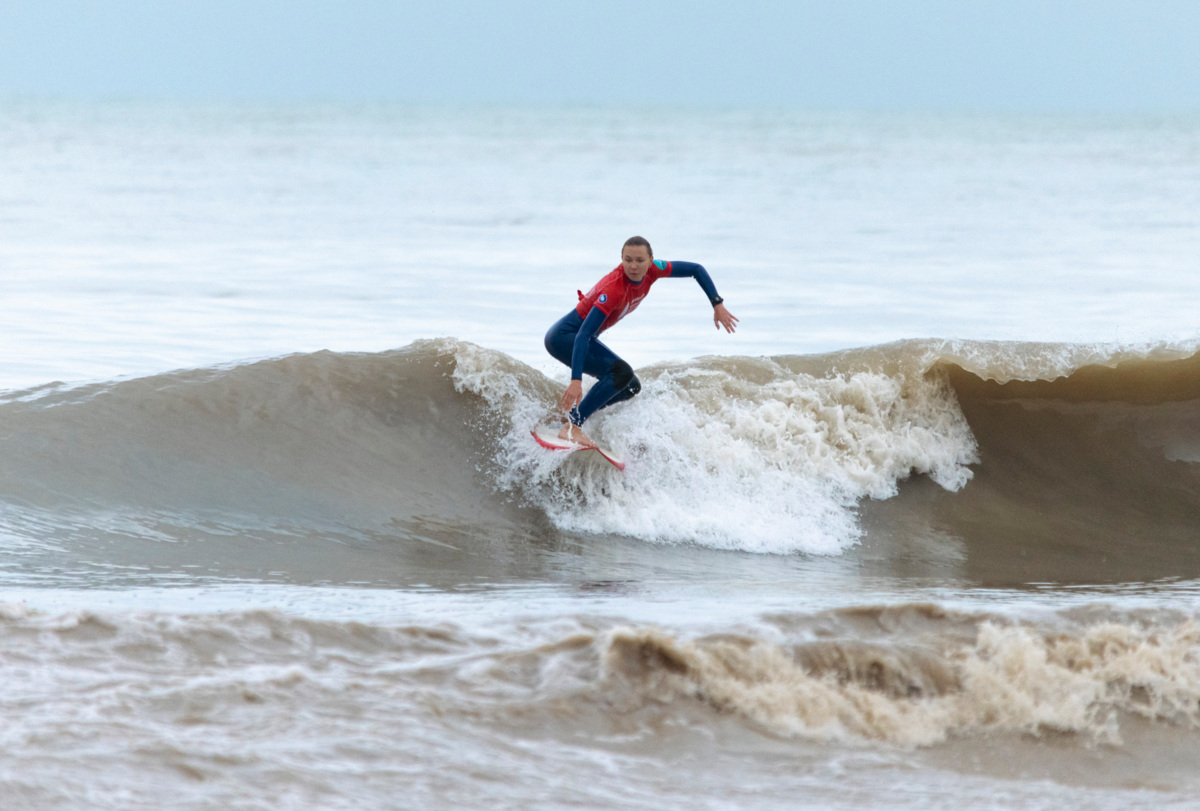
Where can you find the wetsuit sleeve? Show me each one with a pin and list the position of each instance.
(583, 340)
(699, 274)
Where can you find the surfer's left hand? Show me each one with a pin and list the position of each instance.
(724, 318)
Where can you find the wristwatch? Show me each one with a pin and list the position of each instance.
(717, 300)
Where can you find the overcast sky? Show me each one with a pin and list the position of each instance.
(1069, 55)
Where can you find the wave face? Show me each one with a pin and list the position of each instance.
(777, 455)
(301, 437)
(1090, 475)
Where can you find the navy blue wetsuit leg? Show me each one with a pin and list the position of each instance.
(615, 380)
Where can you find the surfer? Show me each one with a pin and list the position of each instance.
(572, 340)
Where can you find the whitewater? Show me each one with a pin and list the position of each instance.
(923, 532)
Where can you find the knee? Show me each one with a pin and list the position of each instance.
(624, 378)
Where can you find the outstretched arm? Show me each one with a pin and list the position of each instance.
(721, 316)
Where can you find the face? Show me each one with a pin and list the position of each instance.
(635, 261)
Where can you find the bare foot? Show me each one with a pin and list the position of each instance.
(573, 433)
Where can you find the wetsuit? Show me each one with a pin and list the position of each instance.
(572, 340)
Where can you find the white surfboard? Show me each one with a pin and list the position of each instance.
(548, 438)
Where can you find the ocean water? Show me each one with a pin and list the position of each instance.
(922, 533)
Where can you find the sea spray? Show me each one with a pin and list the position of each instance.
(743, 455)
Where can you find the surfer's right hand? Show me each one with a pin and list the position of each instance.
(571, 396)
(723, 318)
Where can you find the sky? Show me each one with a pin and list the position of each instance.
(951, 55)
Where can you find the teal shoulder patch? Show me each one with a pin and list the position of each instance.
(661, 264)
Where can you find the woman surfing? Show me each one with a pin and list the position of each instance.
(572, 340)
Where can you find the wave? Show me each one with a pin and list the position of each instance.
(1091, 475)
(1003, 443)
(906, 674)
(978, 675)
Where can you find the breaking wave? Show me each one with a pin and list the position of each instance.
(907, 674)
(775, 455)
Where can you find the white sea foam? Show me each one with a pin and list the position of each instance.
(752, 457)
(1008, 679)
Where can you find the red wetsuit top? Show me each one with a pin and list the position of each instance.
(616, 296)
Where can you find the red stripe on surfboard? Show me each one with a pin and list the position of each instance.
(574, 447)
(611, 461)
(545, 444)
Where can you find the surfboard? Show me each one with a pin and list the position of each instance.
(548, 438)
